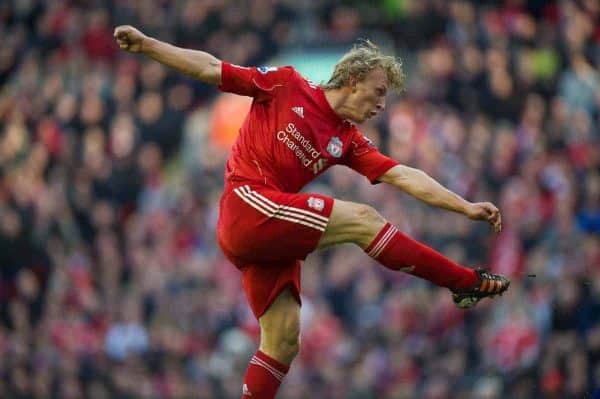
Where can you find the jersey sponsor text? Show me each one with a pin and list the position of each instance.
(300, 145)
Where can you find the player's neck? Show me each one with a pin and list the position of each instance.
(338, 101)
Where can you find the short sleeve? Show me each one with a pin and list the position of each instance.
(257, 82)
(366, 159)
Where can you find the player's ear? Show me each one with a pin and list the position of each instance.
(352, 82)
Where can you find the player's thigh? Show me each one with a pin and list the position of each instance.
(351, 222)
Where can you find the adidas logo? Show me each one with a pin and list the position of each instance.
(299, 111)
(246, 391)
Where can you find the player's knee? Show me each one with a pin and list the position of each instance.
(368, 215)
(368, 223)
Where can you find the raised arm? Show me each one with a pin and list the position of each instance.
(196, 64)
(423, 187)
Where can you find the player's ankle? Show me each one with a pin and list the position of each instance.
(469, 280)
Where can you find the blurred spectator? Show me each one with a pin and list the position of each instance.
(127, 336)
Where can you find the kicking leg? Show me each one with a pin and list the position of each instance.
(362, 225)
(279, 345)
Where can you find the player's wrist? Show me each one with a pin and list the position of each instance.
(146, 44)
(466, 208)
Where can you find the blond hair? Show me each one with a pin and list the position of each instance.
(362, 59)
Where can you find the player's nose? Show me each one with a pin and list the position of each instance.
(380, 105)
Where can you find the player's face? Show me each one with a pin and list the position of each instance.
(367, 98)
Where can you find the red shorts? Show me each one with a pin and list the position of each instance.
(266, 234)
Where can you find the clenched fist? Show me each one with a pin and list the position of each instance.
(485, 211)
(129, 38)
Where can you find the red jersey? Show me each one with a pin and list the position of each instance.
(291, 134)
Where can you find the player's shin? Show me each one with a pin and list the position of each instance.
(397, 251)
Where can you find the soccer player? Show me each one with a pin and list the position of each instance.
(296, 130)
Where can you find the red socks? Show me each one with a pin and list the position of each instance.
(263, 377)
(397, 251)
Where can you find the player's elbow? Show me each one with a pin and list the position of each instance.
(209, 73)
(213, 72)
(406, 178)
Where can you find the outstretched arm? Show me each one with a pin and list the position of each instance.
(423, 187)
(196, 64)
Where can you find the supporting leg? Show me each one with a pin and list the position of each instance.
(279, 345)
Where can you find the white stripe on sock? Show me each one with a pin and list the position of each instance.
(382, 241)
(389, 238)
(276, 373)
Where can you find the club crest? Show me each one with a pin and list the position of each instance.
(334, 147)
(316, 203)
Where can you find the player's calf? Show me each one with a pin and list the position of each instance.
(284, 347)
(280, 328)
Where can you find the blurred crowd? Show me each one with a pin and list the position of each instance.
(111, 282)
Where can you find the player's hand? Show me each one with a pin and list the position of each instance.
(129, 38)
(485, 211)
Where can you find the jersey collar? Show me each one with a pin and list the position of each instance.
(327, 110)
